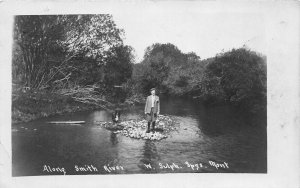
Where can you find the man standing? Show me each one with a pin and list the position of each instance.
(152, 109)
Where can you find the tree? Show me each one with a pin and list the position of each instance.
(168, 54)
(192, 57)
(238, 77)
(186, 80)
(50, 44)
(36, 35)
(155, 70)
(118, 66)
(159, 60)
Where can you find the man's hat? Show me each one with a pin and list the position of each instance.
(152, 89)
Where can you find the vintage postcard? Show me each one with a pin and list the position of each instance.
(154, 89)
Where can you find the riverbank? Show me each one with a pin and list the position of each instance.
(30, 105)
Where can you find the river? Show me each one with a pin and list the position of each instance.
(209, 140)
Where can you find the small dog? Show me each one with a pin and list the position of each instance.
(116, 116)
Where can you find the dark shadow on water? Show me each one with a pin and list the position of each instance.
(113, 138)
(150, 157)
(222, 120)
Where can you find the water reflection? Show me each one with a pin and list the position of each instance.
(100, 115)
(113, 138)
(149, 156)
(181, 107)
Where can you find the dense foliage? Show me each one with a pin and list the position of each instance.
(59, 52)
(160, 61)
(237, 77)
(55, 51)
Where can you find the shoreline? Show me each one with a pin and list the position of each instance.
(28, 107)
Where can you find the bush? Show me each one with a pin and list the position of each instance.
(237, 77)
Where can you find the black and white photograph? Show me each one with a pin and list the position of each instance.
(147, 90)
(79, 96)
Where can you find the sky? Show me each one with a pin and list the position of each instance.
(205, 33)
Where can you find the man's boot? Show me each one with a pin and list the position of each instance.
(153, 126)
(148, 129)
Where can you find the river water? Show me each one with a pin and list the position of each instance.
(208, 140)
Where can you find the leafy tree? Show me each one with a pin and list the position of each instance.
(154, 72)
(118, 66)
(36, 35)
(159, 60)
(49, 45)
(238, 77)
(184, 80)
(91, 35)
(192, 57)
(168, 54)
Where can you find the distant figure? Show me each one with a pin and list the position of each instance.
(152, 109)
(116, 116)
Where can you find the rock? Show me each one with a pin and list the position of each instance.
(137, 129)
